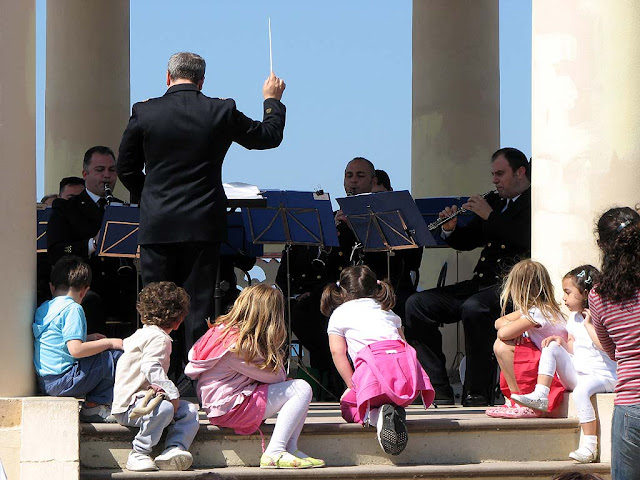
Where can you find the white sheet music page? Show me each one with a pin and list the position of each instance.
(239, 190)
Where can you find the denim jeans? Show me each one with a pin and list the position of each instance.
(90, 377)
(625, 443)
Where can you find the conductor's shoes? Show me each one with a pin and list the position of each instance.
(475, 400)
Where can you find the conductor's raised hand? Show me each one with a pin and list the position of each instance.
(478, 205)
(447, 212)
(273, 87)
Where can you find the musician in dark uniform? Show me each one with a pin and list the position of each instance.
(73, 229)
(502, 227)
(311, 268)
(171, 157)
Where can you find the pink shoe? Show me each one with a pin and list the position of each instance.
(506, 411)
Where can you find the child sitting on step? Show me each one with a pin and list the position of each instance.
(144, 364)
(387, 375)
(536, 315)
(238, 365)
(68, 362)
(580, 362)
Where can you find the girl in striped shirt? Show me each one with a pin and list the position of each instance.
(615, 309)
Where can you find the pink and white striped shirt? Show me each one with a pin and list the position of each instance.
(618, 328)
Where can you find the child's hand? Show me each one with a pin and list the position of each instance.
(552, 338)
(587, 317)
(176, 405)
(116, 344)
(95, 336)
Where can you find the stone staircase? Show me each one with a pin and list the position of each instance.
(448, 442)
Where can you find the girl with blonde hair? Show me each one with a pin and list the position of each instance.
(238, 366)
(536, 315)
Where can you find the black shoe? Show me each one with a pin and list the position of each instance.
(475, 400)
(392, 429)
(444, 395)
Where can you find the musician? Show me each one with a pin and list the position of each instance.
(171, 158)
(381, 182)
(70, 187)
(311, 268)
(73, 229)
(502, 226)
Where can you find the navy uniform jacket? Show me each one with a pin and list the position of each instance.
(505, 238)
(73, 222)
(181, 139)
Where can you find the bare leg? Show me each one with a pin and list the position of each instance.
(504, 353)
(589, 428)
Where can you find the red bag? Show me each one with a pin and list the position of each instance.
(525, 365)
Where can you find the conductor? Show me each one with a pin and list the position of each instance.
(171, 158)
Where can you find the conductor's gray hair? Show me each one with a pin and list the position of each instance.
(187, 66)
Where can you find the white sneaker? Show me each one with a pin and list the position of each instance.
(536, 403)
(584, 455)
(139, 462)
(97, 414)
(174, 458)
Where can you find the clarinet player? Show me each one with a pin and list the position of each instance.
(501, 226)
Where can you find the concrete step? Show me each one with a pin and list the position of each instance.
(479, 471)
(444, 436)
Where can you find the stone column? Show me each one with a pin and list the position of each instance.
(17, 200)
(87, 98)
(455, 119)
(585, 123)
(456, 106)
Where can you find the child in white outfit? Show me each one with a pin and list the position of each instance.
(144, 364)
(580, 362)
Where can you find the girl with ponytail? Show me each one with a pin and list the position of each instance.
(386, 375)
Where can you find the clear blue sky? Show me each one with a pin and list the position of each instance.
(347, 65)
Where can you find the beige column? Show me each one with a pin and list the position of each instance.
(585, 123)
(87, 96)
(17, 200)
(456, 108)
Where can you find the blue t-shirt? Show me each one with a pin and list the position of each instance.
(57, 321)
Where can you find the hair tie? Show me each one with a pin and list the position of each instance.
(378, 282)
(623, 225)
(338, 284)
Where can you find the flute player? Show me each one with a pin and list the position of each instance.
(502, 227)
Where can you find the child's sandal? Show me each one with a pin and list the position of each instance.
(283, 460)
(315, 462)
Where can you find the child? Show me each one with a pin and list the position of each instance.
(536, 314)
(144, 364)
(580, 363)
(70, 363)
(238, 365)
(387, 374)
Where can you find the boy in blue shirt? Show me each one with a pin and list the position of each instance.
(70, 363)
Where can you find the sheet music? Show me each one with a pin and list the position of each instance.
(239, 190)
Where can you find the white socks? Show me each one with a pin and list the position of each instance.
(540, 392)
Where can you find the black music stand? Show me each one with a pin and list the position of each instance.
(43, 214)
(292, 218)
(386, 221)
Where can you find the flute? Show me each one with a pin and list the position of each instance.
(441, 221)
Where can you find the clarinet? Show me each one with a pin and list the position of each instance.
(441, 221)
(108, 193)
